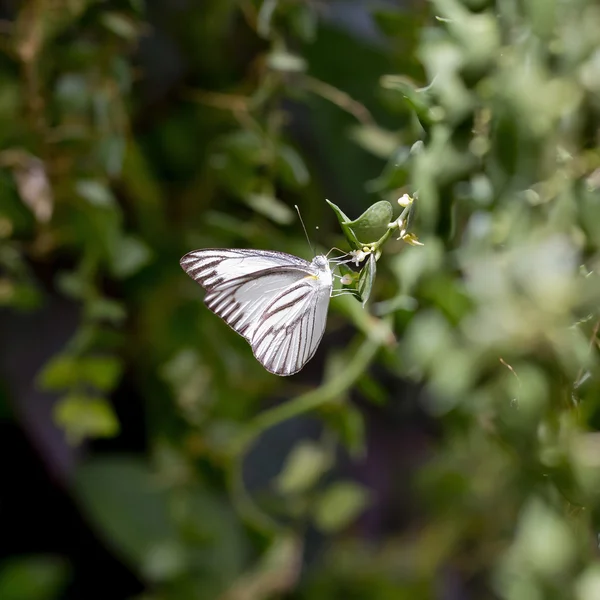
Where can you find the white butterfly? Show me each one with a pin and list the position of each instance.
(277, 301)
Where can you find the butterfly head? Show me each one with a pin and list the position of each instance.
(323, 269)
(321, 262)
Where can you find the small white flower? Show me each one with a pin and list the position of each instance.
(405, 200)
(359, 255)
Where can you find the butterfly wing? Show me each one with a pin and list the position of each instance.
(291, 326)
(242, 283)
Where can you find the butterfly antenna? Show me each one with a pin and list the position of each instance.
(305, 232)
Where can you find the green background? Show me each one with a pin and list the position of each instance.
(443, 443)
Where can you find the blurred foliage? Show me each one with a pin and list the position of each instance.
(131, 134)
(32, 578)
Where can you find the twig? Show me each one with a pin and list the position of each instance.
(239, 106)
(249, 13)
(339, 98)
(510, 369)
(232, 102)
(29, 45)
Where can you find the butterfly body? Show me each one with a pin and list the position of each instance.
(277, 301)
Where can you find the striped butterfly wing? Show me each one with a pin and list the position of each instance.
(292, 326)
(240, 284)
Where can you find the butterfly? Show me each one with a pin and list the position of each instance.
(277, 301)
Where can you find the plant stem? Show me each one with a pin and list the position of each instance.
(328, 392)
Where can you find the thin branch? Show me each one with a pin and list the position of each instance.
(339, 98)
(29, 44)
(510, 369)
(231, 102)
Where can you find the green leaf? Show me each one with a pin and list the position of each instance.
(340, 505)
(588, 583)
(419, 99)
(105, 309)
(164, 560)
(102, 372)
(95, 192)
(72, 284)
(181, 367)
(281, 60)
(128, 507)
(544, 540)
(350, 425)
(366, 278)
(375, 140)
(139, 6)
(369, 227)
(246, 145)
(304, 466)
(373, 223)
(344, 220)
(270, 207)
(73, 91)
(85, 417)
(212, 533)
(264, 18)
(32, 578)
(66, 371)
(394, 174)
(22, 296)
(60, 373)
(278, 562)
(111, 151)
(304, 21)
(120, 25)
(128, 255)
(373, 390)
(291, 167)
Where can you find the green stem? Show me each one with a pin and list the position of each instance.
(329, 392)
(244, 504)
